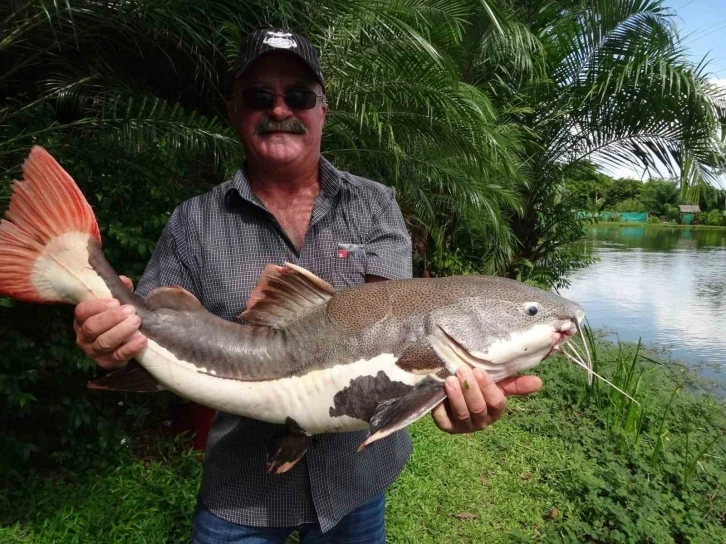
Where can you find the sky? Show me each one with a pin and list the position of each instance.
(702, 26)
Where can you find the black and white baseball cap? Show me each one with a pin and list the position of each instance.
(259, 42)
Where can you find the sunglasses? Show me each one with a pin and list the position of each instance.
(264, 99)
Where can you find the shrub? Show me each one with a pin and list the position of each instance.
(48, 416)
(653, 220)
(672, 213)
(714, 217)
(630, 205)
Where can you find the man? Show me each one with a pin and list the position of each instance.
(286, 204)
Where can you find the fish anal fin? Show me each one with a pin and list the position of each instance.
(286, 448)
(284, 293)
(174, 298)
(396, 414)
(132, 377)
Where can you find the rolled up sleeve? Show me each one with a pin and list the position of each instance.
(388, 244)
(171, 263)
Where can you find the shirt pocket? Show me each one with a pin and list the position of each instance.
(338, 256)
(350, 265)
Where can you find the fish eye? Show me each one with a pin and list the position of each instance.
(531, 308)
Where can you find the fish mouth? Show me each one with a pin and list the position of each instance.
(563, 332)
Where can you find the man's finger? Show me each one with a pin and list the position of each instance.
(475, 400)
(442, 418)
(99, 324)
(493, 396)
(127, 282)
(130, 349)
(87, 308)
(520, 385)
(459, 411)
(111, 340)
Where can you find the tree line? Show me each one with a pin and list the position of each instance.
(592, 191)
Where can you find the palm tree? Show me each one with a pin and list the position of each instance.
(658, 196)
(616, 87)
(128, 77)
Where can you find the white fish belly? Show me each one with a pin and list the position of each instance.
(307, 399)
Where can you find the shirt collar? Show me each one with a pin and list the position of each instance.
(330, 182)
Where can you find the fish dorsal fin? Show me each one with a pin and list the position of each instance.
(174, 298)
(284, 293)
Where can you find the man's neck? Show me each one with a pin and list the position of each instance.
(269, 180)
(288, 194)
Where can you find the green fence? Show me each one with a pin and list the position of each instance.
(626, 217)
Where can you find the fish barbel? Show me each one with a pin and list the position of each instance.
(371, 357)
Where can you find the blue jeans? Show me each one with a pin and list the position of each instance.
(364, 525)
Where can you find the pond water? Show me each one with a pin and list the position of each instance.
(664, 285)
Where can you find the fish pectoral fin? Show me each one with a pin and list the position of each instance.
(286, 448)
(175, 298)
(131, 377)
(451, 352)
(395, 414)
(284, 293)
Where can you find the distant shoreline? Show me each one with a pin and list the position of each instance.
(654, 225)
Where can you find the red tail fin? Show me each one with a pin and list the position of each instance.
(47, 223)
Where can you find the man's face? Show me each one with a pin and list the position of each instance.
(273, 134)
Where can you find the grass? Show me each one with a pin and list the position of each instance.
(565, 465)
(133, 501)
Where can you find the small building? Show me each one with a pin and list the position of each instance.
(689, 213)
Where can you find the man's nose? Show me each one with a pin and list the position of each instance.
(279, 109)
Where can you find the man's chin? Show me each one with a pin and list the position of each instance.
(282, 154)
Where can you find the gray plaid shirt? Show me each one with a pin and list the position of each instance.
(215, 246)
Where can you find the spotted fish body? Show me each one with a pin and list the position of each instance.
(373, 356)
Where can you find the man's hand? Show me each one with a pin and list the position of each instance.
(474, 401)
(108, 332)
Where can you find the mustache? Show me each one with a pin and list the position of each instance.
(267, 125)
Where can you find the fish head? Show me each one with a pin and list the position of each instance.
(506, 326)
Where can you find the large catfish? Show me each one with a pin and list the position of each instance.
(373, 356)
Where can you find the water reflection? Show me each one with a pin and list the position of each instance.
(665, 285)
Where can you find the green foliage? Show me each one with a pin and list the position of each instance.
(712, 198)
(588, 188)
(623, 190)
(550, 254)
(629, 205)
(714, 218)
(672, 213)
(653, 220)
(49, 417)
(617, 88)
(398, 111)
(658, 195)
(642, 487)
